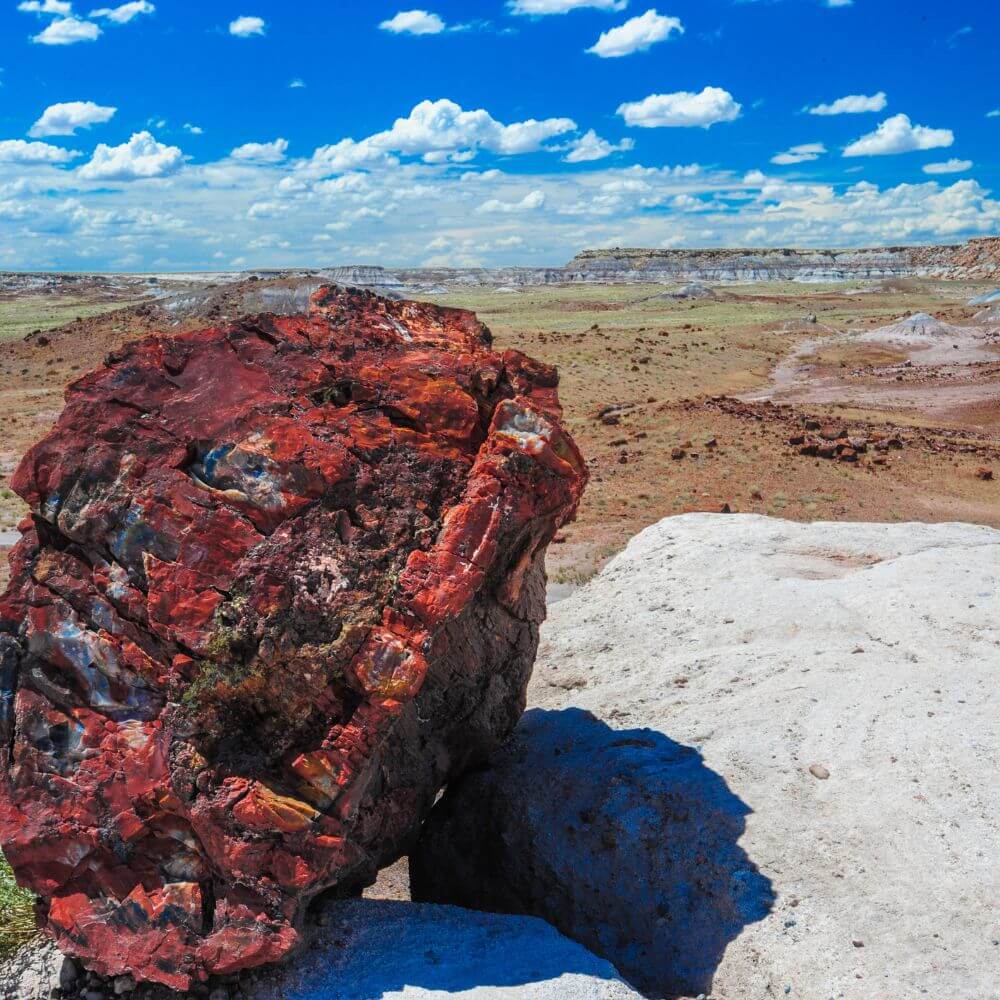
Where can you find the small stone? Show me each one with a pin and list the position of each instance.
(68, 974)
(858, 944)
(819, 771)
(677, 454)
(984, 473)
(123, 985)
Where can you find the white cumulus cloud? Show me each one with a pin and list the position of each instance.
(414, 22)
(592, 147)
(247, 27)
(636, 35)
(853, 104)
(682, 109)
(899, 135)
(65, 119)
(993, 114)
(68, 31)
(124, 13)
(57, 7)
(800, 154)
(141, 158)
(443, 126)
(19, 151)
(952, 166)
(562, 6)
(529, 203)
(261, 152)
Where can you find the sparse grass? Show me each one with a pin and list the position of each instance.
(573, 577)
(23, 315)
(17, 915)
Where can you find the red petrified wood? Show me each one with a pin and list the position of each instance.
(281, 582)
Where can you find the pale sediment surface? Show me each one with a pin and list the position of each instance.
(834, 686)
(868, 651)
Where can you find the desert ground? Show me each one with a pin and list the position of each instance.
(679, 404)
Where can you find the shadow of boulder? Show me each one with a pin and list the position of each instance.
(623, 840)
(371, 949)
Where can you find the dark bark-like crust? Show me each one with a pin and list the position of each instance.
(281, 582)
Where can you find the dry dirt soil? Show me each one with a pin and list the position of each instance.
(642, 377)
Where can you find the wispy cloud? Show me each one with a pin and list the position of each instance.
(247, 27)
(853, 104)
(591, 146)
(542, 7)
(126, 12)
(638, 34)
(953, 166)
(800, 154)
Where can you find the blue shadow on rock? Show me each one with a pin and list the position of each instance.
(622, 839)
(371, 949)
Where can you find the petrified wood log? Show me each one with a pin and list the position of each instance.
(281, 582)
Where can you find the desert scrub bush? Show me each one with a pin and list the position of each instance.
(574, 577)
(17, 915)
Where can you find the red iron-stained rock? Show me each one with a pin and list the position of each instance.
(281, 582)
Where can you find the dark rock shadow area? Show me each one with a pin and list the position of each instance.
(624, 840)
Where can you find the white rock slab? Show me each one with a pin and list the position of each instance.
(868, 651)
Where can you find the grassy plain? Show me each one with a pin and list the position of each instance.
(25, 314)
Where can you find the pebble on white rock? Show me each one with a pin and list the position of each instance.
(783, 651)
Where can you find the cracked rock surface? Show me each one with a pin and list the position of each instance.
(281, 582)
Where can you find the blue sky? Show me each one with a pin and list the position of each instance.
(162, 135)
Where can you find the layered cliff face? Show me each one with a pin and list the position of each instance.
(975, 259)
(281, 582)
